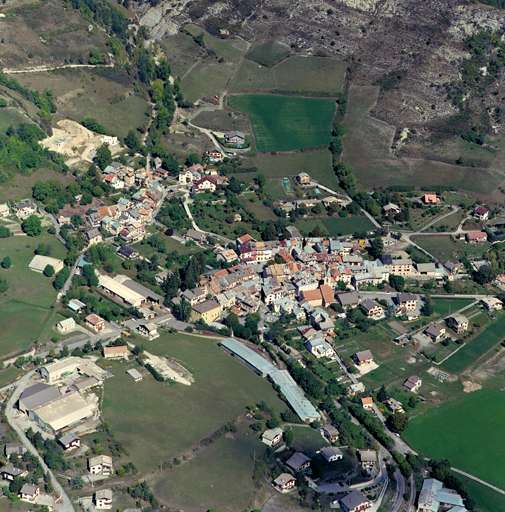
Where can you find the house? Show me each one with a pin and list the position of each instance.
(62, 220)
(14, 449)
(228, 255)
(477, 237)
(427, 269)
(196, 236)
(312, 297)
(208, 311)
(100, 465)
(331, 453)
(435, 331)
(69, 441)
(362, 358)
(481, 213)
(66, 325)
(103, 499)
(367, 403)
(319, 348)
(303, 178)
(161, 173)
(433, 495)
(429, 199)
(407, 301)
(96, 323)
(347, 299)
(214, 154)
(368, 458)
(29, 492)
(298, 462)
(207, 184)
(149, 330)
(331, 433)
(327, 295)
(128, 252)
(284, 482)
(93, 236)
(116, 352)
(394, 405)
(372, 308)
(25, 209)
(272, 437)
(413, 383)
(357, 388)
(391, 208)
(234, 137)
(355, 501)
(11, 472)
(453, 268)
(492, 303)
(4, 210)
(458, 323)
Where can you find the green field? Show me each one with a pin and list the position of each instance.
(252, 76)
(477, 347)
(221, 476)
(337, 226)
(468, 431)
(268, 53)
(230, 49)
(444, 307)
(487, 500)
(307, 226)
(310, 75)
(11, 116)
(206, 79)
(170, 419)
(444, 248)
(21, 326)
(25, 285)
(281, 123)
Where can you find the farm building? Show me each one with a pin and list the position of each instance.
(66, 325)
(66, 411)
(248, 356)
(69, 441)
(116, 352)
(129, 291)
(135, 375)
(76, 305)
(60, 369)
(39, 263)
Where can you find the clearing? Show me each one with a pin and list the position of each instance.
(281, 123)
(445, 432)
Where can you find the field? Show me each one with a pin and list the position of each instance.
(367, 147)
(106, 95)
(477, 347)
(207, 78)
(181, 51)
(26, 285)
(221, 120)
(262, 212)
(220, 476)
(443, 248)
(307, 226)
(252, 77)
(230, 49)
(183, 415)
(310, 75)
(487, 500)
(21, 326)
(444, 307)
(281, 123)
(268, 53)
(337, 226)
(446, 431)
(11, 116)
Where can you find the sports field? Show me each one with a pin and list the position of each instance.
(468, 431)
(477, 347)
(337, 226)
(281, 123)
(169, 419)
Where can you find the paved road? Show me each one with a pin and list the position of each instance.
(68, 282)
(57, 226)
(400, 490)
(410, 507)
(64, 504)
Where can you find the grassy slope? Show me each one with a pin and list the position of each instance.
(268, 53)
(252, 76)
(487, 500)
(457, 431)
(11, 116)
(222, 389)
(283, 123)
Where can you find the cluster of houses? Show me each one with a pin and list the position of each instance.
(200, 179)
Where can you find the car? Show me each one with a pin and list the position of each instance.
(207, 332)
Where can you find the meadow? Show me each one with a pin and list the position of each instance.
(281, 123)
(268, 53)
(169, 419)
(444, 307)
(11, 116)
(337, 226)
(444, 248)
(310, 75)
(206, 79)
(252, 76)
(468, 431)
(487, 500)
(477, 347)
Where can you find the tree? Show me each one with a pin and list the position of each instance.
(32, 226)
(193, 159)
(376, 248)
(231, 320)
(260, 180)
(427, 309)
(397, 282)
(398, 422)
(132, 141)
(61, 278)
(382, 394)
(288, 436)
(49, 271)
(5, 232)
(88, 274)
(103, 157)
(3, 285)
(184, 310)
(41, 249)
(6, 262)
(76, 482)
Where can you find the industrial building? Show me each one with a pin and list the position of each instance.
(289, 388)
(64, 367)
(128, 291)
(36, 396)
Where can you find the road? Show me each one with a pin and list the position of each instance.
(453, 210)
(68, 282)
(64, 505)
(40, 69)
(57, 227)
(400, 491)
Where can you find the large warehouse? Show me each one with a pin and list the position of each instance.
(64, 412)
(36, 396)
(128, 291)
(64, 367)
